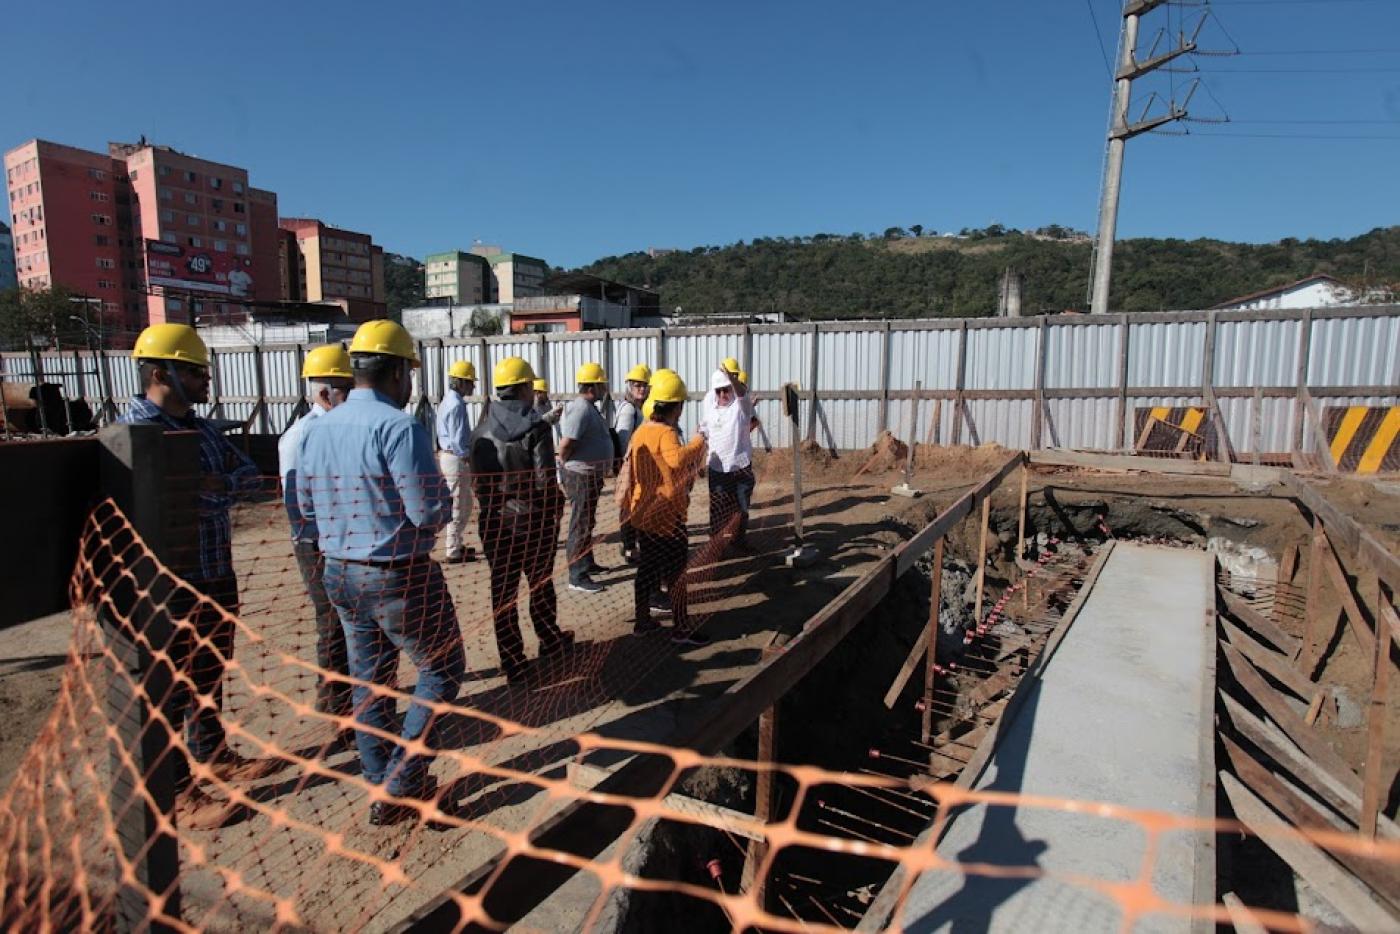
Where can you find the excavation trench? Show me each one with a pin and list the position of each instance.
(836, 717)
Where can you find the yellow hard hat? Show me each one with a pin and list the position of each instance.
(541, 385)
(590, 373)
(177, 342)
(667, 386)
(648, 407)
(512, 371)
(462, 369)
(744, 377)
(384, 337)
(325, 362)
(640, 373)
(730, 365)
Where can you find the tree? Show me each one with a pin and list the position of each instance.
(895, 233)
(916, 229)
(483, 323)
(39, 318)
(403, 283)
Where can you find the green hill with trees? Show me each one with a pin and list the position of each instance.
(904, 274)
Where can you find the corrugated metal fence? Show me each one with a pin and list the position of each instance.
(1064, 381)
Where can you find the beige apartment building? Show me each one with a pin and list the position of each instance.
(334, 265)
(513, 275)
(461, 278)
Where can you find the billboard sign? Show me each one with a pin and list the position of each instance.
(195, 269)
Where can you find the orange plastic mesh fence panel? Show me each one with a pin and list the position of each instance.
(296, 783)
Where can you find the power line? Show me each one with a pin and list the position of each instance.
(1323, 122)
(1323, 52)
(1287, 71)
(1316, 136)
(1098, 34)
(1277, 2)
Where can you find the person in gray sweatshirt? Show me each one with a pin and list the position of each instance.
(515, 480)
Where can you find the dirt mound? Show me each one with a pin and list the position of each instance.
(887, 453)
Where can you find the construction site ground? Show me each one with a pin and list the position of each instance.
(629, 687)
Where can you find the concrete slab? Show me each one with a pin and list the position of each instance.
(1116, 718)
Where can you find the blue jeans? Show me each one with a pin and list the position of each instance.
(385, 609)
(731, 494)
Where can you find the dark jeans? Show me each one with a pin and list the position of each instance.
(203, 664)
(629, 537)
(583, 490)
(332, 695)
(731, 493)
(386, 609)
(522, 545)
(662, 562)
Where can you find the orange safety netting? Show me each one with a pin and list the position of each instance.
(273, 828)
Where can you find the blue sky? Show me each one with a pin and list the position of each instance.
(577, 130)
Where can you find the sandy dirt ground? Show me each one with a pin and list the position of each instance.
(614, 684)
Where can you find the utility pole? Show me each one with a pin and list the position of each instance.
(1120, 131)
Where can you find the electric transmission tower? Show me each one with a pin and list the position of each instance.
(1120, 130)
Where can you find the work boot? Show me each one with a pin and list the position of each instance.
(660, 603)
(196, 809)
(387, 813)
(465, 556)
(586, 585)
(558, 645)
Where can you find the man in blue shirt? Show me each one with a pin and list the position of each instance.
(368, 481)
(174, 375)
(454, 431)
(327, 374)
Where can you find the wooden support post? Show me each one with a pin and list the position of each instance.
(135, 468)
(1312, 609)
(1038, 426)
(1256, 419)
(982, 558)
(911, 421)
(752, 879)
(935, 602)
(1120, 433)
(937, 430)
(1374, 783)
(958, 399)
(1288, 565)
(884, 421)
(1301, 399)
(264, 424)
(812, 370)
(792, 405)
(1021, 513)
(216, 385)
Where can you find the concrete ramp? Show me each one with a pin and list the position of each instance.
(1120, 715)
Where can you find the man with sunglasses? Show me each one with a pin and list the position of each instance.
(174, 373)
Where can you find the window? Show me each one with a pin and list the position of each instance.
(190, 176)
(111, 308)
(102, 240)
(169, 238)
(238, 188)
(191, 198)
(241, 249)
(238, 207)
(221, 246)
(241, 229)
(103, 220)
(196, 242)
(173, 304)
(221, 225)
(105, 263)
(168, 216)
(97, 174)
(192, 220)
(133, 174)
(106, 284)
(165, 194)
(164, 171)
(215, 182)
(99, 196)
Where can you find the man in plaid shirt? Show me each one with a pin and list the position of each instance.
(174, 374)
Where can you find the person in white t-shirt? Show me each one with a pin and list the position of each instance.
(726, 419)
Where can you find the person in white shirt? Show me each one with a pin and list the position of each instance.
(454, 432)
(329, 380)
(625, 421)
(726, 418)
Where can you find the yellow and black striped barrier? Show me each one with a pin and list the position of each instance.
(1166, 429)
(1363, 438)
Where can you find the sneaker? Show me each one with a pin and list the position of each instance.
(660, 603)
(586, 585)
(465, 556)
(689, 637)
(645, 626)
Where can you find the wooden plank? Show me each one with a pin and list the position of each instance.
(1301, 389)
(1127, 462)
(1328, 880)
(1342, 792)
(1374, 783)
(900, 881)
(1260, 623)
(1333, 566)
(1121, 407)
(982, 561)
(959, 399)
(588, 777)
(1278, 710)
(1021, 514)
(1381, 875)
(906, 671)
(1346, 531)
(1272, 663)
(1256, 427)
(1312, 600)
(1288, 564)
(1241, 918)
(930, 655)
